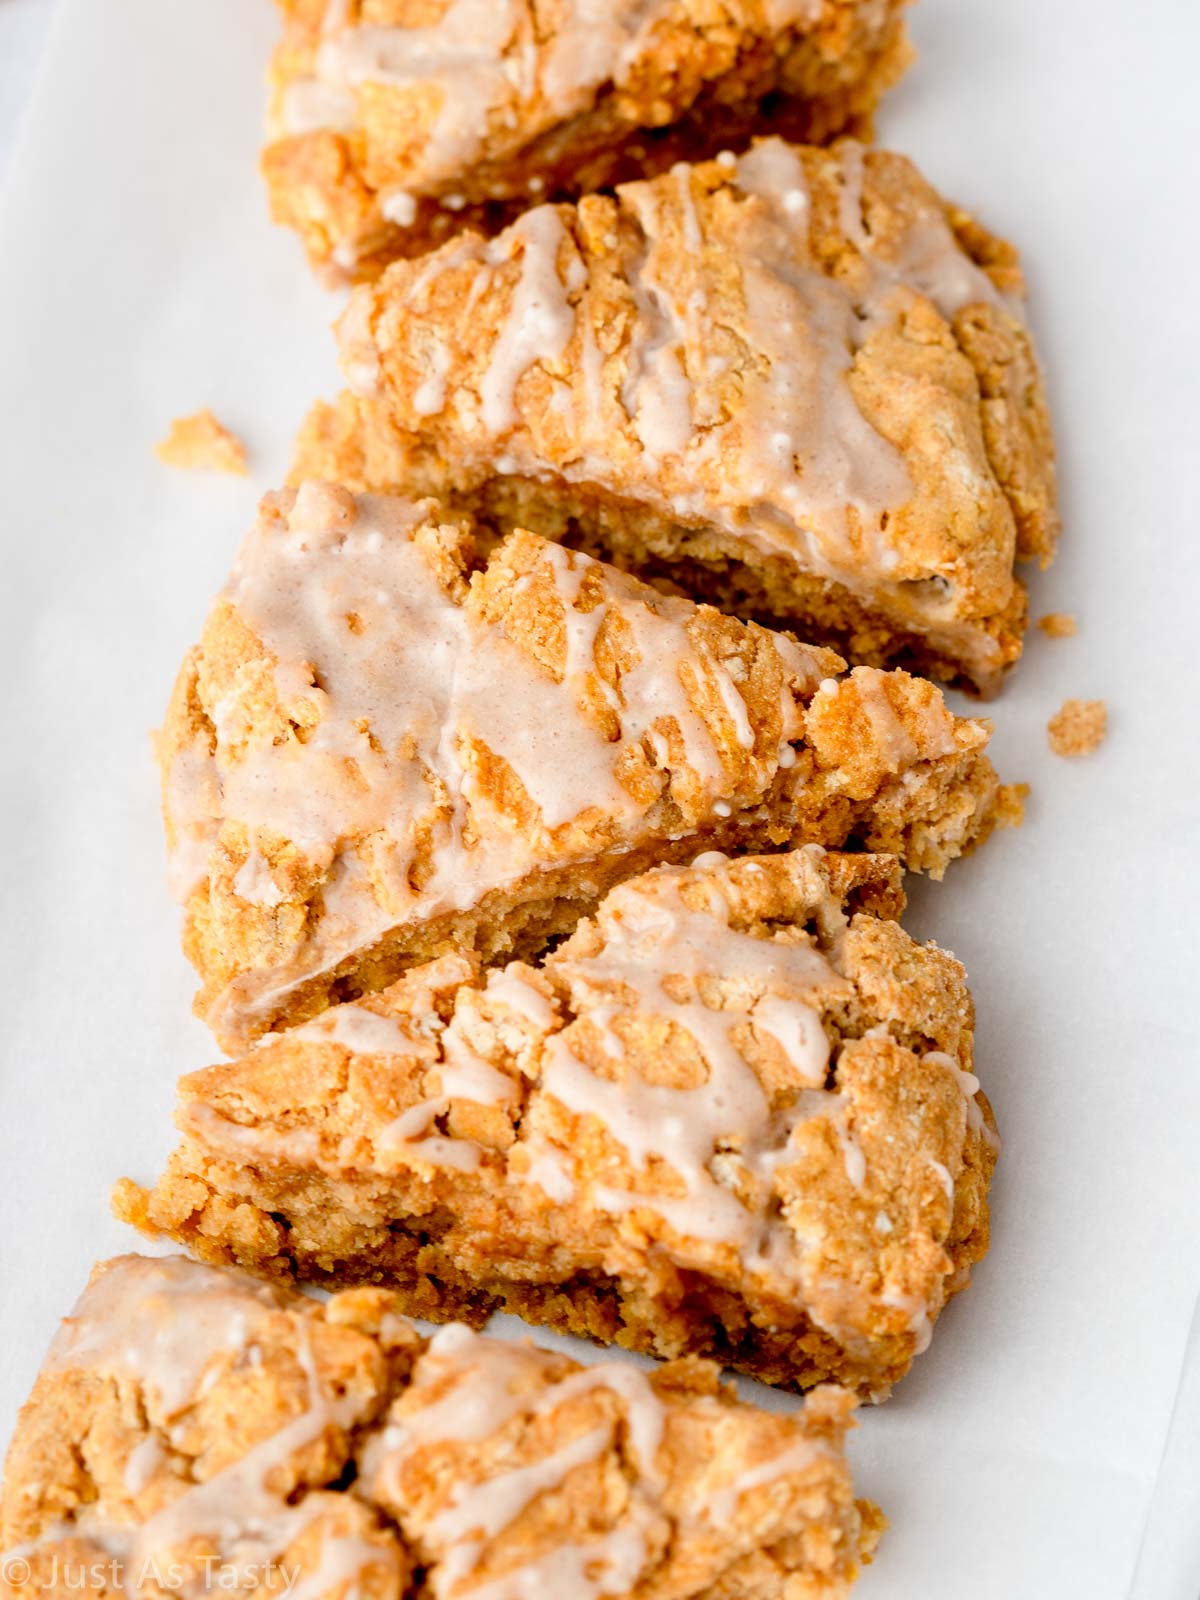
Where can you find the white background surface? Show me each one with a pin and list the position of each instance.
(23, 28)
(139, 279)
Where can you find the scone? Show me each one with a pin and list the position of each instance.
(385, 747)
(394, 123)
(193, 1432)
(799, 385)
(189, 1424)
(732, 1116)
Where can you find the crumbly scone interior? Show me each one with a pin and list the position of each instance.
(733, 1115)
(191, 1422)
(797, 358)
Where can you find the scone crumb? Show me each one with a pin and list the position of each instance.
(874, 1526)
(1078, 727)
(201, 444)
(1058, 625)
(1010, 804)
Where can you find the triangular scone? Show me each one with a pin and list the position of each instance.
(193, 1431)
(394, 124)
(732, 1116)
(381, 750)
(189, 1422)
(798, 383)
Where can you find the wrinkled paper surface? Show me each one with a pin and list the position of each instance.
(140, 279)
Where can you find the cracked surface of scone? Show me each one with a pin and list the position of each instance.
(384, 748)
(799, 385)
(731, 1116)
(193, 1430)
(395, 123)
(188, 1421)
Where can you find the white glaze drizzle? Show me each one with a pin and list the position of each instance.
(609, 1564)
(969, 1084)
(494, 1381)
(409, 685)
(493, 68)
(662, 958)
(366, 1032)
(797, 1458)
(464, 1075)
(792, 13)
(540, 318)
(476, 1513)
(793, 466)
(491, 1383)
(343, 1563)
(512, 989)
(192, 802)
(168, 1323)
(927, 257)
(174, 1326)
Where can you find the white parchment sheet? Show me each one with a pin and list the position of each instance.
(1032, 1453)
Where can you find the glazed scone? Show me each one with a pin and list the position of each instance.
(189, 1422)
(731, 1116)
(194, 1432)
(395, 123)
(384, 748)
(799, 385)
(516, 1473)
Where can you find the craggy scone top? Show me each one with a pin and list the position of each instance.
(193, 1429)
(741, 1094)
(392, 121)
(378, 731)
(805, 349)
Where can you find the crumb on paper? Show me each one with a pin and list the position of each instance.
(200, 443)
(1078, 727)
(1010, 805)
(1058, 625)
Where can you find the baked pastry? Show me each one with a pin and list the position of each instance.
(731, 1116)
(189, 1424)
(798, 384)
(397, 122)
(194, 1431)
(385, 748)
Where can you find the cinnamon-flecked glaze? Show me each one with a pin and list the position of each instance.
(193, 1431)
(385, 747)
(396, 123)
(798, 384)
(733, 1115)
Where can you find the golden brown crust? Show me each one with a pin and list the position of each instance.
(534, 1139)
(439, 755)
(368, 176)
(673, 339)
(192, 1429)
(167, 1378)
